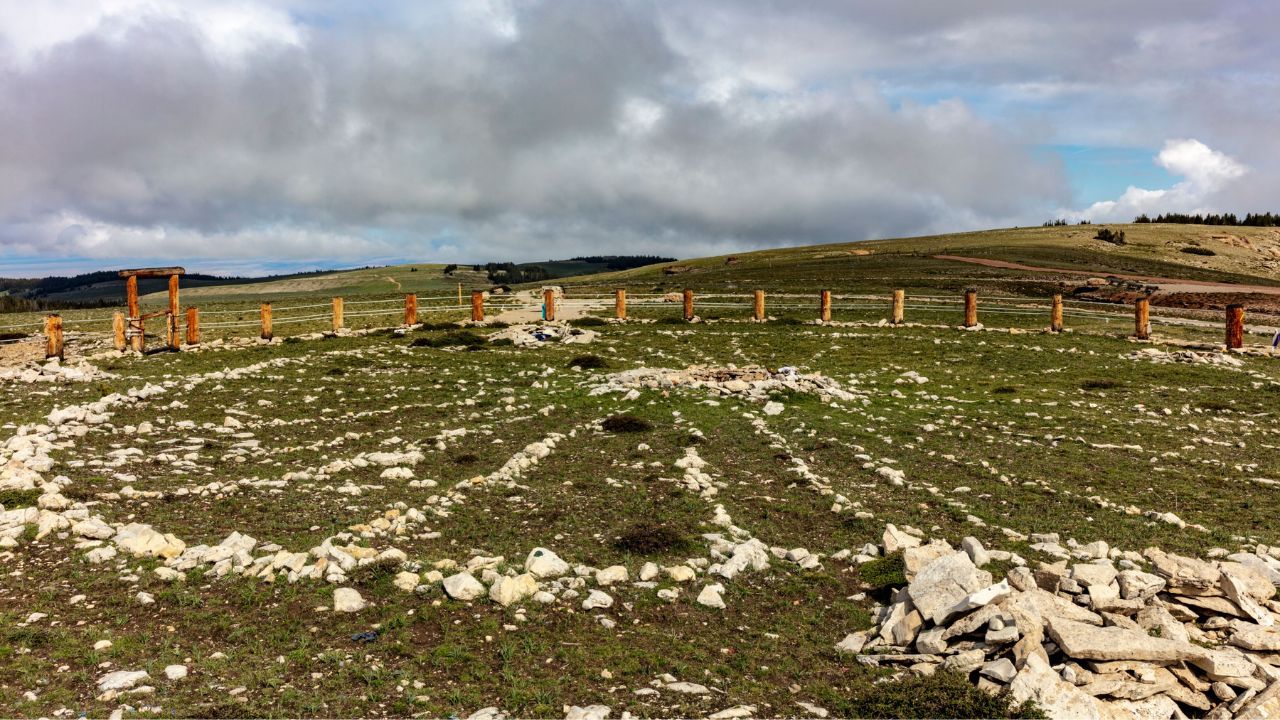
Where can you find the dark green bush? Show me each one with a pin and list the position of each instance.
(589, 362)
(941, 695)
(883, 572)
(650, 538)
(450, 339)
(625, 423)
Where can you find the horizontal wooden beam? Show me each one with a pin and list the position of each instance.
(153, 272)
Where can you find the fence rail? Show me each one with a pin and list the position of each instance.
(965, 307)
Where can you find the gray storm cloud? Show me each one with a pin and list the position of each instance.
(496, 131)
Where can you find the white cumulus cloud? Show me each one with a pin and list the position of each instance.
(1206, 174)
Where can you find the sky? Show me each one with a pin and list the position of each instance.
(259, 136)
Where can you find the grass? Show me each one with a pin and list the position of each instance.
(1057, 455)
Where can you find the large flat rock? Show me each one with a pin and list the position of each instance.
(945, 581)
(1082, 641)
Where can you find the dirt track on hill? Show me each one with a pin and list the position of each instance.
(1166, 284)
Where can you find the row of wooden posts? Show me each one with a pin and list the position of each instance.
(127, 330)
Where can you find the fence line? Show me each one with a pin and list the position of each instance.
(124, 328)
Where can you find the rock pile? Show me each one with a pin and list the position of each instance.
(753, 382)
(1106, 633)
(1164, 357)
(53, 371)
(541, 334)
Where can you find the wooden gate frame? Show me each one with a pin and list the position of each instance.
(134, 333)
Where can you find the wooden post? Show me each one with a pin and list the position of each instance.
(411, 309)
(173, 295)
(824, 306)
(549, 302)
(757, 311)
(193, 326)
(53, 337)
(477, 306)
(459, 294)
(1235, 327)
(136, 340)
(338, 320)
(117, 330)
(620, 304)
(970, 307)
(688, 304)
(897, 310)
(1055, 315)
(265, 312)
(1142, 319)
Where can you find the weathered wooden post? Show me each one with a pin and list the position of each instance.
(824, 306)
(265, 312)
(172, 315)
(970, 307)
(136, 340)
(193, 326)
(338, 320)
(896, 309)
(411, 309)
(1142, 319)
(688, 304)
(757, 310)
(477, 306)
(1055, 315)
(53, 337)
(117, 330)
(549, 303)
(620, 304)
(1235, 327)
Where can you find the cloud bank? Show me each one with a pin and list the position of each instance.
(327, 133)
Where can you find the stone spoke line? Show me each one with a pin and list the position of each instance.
(27, 455)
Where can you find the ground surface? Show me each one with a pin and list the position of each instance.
(1029, 432)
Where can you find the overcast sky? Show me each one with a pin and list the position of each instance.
(261, 135)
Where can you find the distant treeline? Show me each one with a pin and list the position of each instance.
(41, 294)
(1250, 219)
(512, 274)
(623, 262)
(508, 273)
(17, 303)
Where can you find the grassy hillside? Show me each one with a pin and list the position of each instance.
(424, 279)
(1240, 255)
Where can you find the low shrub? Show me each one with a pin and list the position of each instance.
(589, 362)
(588, 321)
(450, 339)
(884, 572)
(1197, 250)
(1099, 384)
(625, 423)
(649, 539)
(941, 695)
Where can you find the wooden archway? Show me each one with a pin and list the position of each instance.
(134, 334)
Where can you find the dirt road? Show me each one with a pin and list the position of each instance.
(530, 308)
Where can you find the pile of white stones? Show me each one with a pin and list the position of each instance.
(53, 371)
(545, 333)
(1095, 636)
(753, 382)
(1192, 357)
